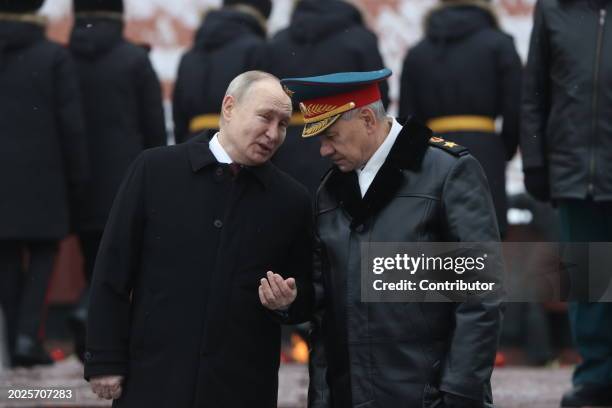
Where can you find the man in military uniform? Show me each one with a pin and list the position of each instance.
(392, 183)
(119, 76)
(459, 79)
(43, 169)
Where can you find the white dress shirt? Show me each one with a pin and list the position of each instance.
(368, 172)
(218, 151)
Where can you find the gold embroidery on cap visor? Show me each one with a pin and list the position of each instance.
(318, 117)
(316, 128)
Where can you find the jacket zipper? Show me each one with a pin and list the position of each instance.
(602, 22)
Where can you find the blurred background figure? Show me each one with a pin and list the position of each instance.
(459, 79)
(43, 169)
(566, 142)
(228, 43)
(540, 329)
(323, 37)
(123, 112)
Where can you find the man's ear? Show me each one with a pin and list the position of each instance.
(369, 118)
(227, 107)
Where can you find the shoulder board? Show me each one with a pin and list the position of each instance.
(448, 146)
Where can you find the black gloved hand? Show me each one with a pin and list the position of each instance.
(457, 401)
(537, 183)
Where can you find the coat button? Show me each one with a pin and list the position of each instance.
(87, 356)
(218, 223)
(219, 171)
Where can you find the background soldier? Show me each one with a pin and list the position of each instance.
(323, 37)
(122, 106)
(43, 168)
(566, 142)
(228, 43)
(459, 79)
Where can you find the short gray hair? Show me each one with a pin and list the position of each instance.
(243, 82)
(377, 107)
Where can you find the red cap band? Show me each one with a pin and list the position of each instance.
(360, 97)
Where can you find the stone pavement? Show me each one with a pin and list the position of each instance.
(513, 387)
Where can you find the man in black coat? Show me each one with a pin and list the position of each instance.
(228, 43)
(123, 111)
(174, 318)
(322, 37)
(566, 145)
(462, 76)
(43, 168)
(392, 183)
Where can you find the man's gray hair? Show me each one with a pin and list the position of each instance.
(377, 107)
(243, 82)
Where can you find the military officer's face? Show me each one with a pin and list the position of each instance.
(256, 125)
(349, 143)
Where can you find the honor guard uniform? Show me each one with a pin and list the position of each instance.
(117, 75)
(43, 169)
(459, 79)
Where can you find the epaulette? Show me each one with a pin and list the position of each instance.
(448, 146)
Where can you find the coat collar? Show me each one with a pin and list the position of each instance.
(406, 154)
(200, 156)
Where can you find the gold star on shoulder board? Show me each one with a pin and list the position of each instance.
(450, 144)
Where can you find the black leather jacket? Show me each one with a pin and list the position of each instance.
(401, 354)
(567, 98)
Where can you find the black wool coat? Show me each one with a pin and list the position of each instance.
(323, 38)
(227, 44)
(122, 107)
(466, 65)
(43, 152)
(174, 304)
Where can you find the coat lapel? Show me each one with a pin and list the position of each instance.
(406, 153)
(199, 152)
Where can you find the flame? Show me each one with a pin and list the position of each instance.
(299, 349)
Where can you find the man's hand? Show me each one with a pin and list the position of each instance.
(275, 292)
(107, 387)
